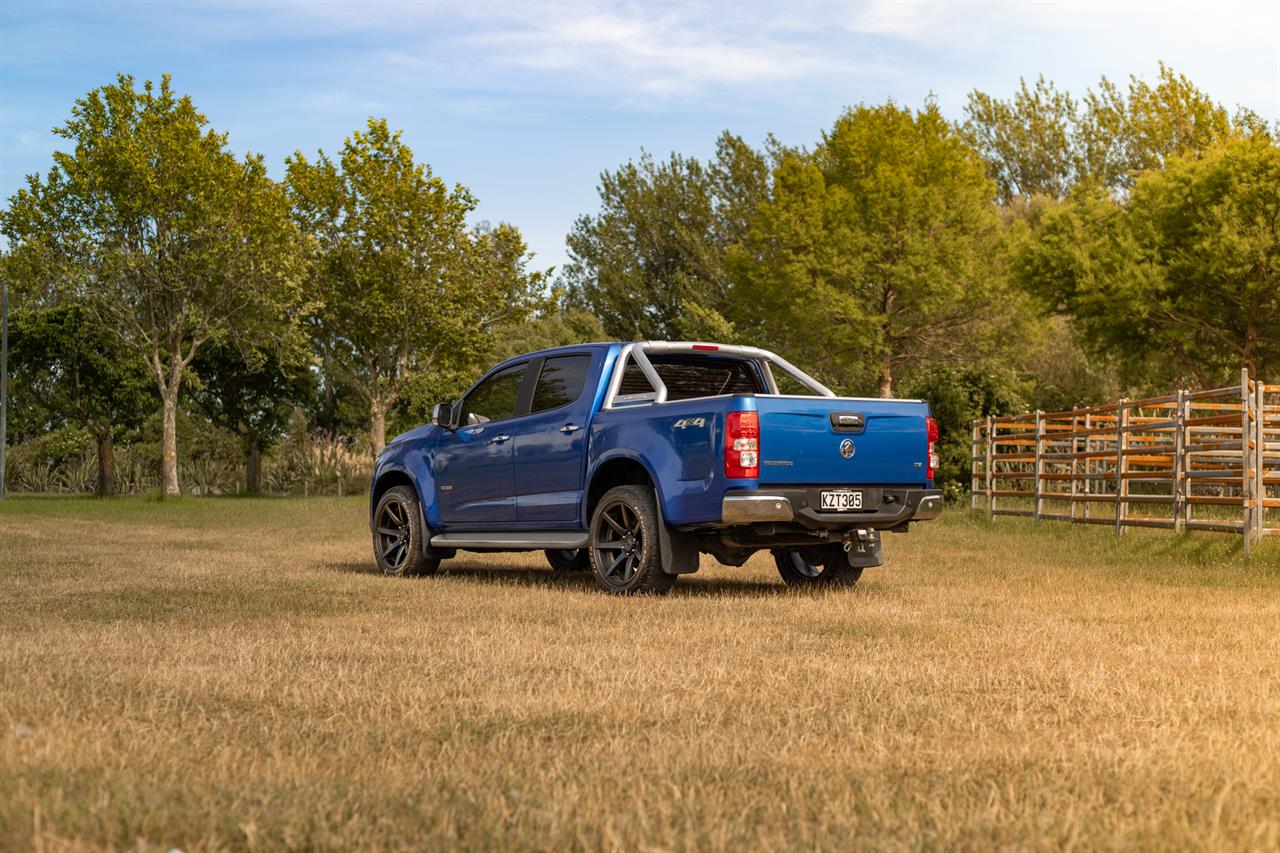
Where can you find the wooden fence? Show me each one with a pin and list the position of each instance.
(1193, 460)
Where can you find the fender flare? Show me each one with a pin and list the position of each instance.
(614, 456)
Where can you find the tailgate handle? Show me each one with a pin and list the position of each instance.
(848, 421)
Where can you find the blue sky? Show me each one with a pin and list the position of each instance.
(526, 103)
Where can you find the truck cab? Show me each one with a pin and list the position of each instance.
(631, 459)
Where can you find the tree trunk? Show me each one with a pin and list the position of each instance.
(253, 466)
(377, 425)
(169, 443)
(106, 464)
(886, 377)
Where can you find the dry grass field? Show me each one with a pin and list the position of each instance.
(227, 674)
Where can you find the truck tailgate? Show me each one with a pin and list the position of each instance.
(801, 438)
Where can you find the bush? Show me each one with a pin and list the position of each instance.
(958, 398)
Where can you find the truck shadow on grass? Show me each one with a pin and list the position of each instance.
(506, 575)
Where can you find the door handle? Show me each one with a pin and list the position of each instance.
(568, 429)
(498, 439)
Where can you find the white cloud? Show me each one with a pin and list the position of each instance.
(659, 50)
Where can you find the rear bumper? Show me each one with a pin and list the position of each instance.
(885, 507)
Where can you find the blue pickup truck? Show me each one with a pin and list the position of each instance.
(631, 459)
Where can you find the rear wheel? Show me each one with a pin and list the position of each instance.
(625, 556)
(398, 534)
(569, 559)
(824, 566)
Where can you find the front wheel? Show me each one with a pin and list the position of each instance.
(824, 566)
(398, 534)
(625, 556)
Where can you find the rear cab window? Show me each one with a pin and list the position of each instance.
(687, 377)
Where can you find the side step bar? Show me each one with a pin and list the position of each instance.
(517, 541)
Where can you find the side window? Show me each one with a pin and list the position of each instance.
(493, 399)
(560, 382)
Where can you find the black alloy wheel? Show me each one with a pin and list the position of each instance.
(624, 544)
(398, 533)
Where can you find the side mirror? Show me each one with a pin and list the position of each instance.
(442, 415)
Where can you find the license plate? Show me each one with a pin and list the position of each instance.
(841, 501)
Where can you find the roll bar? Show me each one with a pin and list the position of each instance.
(641, 350)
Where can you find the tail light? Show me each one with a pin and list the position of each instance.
(742, 445)
(934, 460)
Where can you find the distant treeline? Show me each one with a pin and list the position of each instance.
(1042, 252)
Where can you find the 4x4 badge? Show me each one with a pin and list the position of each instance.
(846, 448)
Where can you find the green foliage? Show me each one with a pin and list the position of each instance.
(68, 370)
(1045, 253)
(406, 288)
(958, 397)
(875, 253)
(552, 328)
(1122, 134)
(1186, 270)
(1044, 142)
(75, 371)
(1026, 141)
(549, 328)
(161, 232)
(1061, 373)
(658, 243)
(251, 399)
(1210, 226)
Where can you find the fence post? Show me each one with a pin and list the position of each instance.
(1075, 452)
(973, 465)
(1038, 489)
(1260, 457)
(1179, 464)
(991, 464)
(1088, 463)
(1122, 464)
(1246, 459)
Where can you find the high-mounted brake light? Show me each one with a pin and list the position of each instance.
(934, 460)
(742, 445)
(706, 347)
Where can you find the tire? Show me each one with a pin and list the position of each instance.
(824, 566)
(398, 534)
(625, 555)
(569, 561)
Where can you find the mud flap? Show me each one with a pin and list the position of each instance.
(679, 551)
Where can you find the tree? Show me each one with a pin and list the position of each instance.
(876, 252)
(657, 247)
(1043, 142)
(167, 239)
(1027, 142)
(406, 289)
(251, 398)
(1187, 266)
(549, 327)
(1122, 134)
(81, 374)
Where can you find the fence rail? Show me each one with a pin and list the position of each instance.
(1184, 461)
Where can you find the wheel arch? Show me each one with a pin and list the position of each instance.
(388, 479)
(618, 469)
